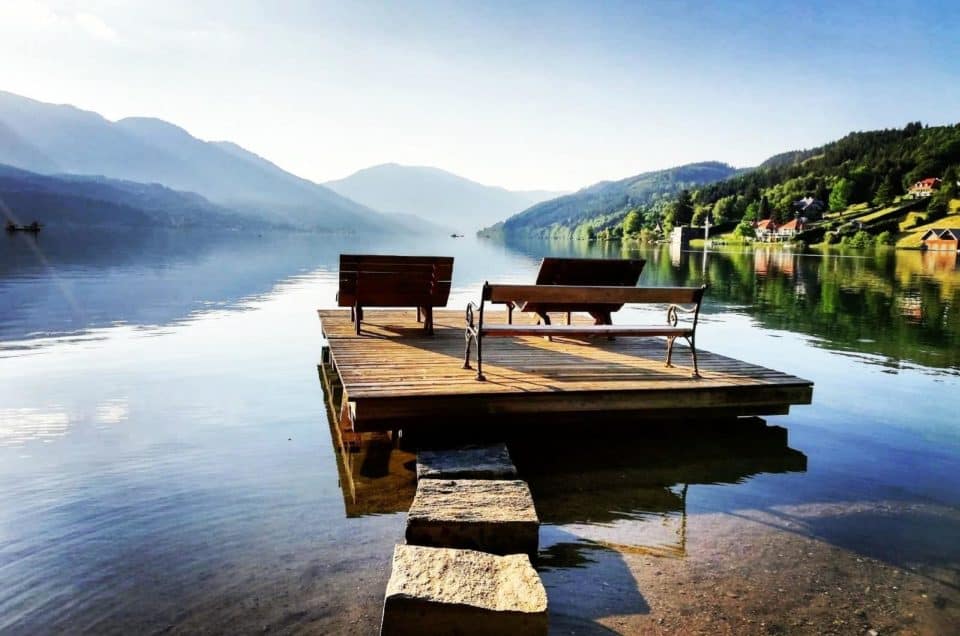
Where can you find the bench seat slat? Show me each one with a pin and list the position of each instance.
(583, 330)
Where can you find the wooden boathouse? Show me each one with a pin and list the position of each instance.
(395, 376)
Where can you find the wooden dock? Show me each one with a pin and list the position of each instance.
(394, 376)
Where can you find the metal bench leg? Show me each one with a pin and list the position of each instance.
(359, 316)
(693, 352)
(670, 340)
(466, 354)
(480, 376)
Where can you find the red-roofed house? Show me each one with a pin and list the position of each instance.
(924, 187)
(790, 228)
(765, 229)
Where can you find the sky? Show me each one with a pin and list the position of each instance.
(552, 95)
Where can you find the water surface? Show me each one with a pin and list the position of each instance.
(166, 462)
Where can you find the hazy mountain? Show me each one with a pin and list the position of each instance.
(433, 194)
(60, 138)
(97, 201)
(609, 199)
(15, 150)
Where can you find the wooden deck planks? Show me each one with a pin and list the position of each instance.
(393, 370)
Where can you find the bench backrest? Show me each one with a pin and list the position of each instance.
(589, 271)
(569, 294)
(394, 281)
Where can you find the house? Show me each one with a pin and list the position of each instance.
(765, 229)
(791, 228)
(941, 240)
(924, 187)
(809, 207)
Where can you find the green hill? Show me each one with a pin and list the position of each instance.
(606, 203)
(868, 172)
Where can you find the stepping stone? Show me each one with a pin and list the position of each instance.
(476, 514)
(443, 591)
(476, 462)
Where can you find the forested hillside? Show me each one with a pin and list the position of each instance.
(869, 169)
(866, 171)
(605, 204)
(863, 167)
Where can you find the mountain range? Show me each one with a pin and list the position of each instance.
(61, 139)
(436, 195)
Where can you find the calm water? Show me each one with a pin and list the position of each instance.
(166, 462)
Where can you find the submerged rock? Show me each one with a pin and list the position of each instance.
(478, 462)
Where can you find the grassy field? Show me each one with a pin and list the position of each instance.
(847, 213)
(866, 218)
(912, 240)
(730, 238)
(912, 220)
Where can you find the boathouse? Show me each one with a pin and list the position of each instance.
(941, 240)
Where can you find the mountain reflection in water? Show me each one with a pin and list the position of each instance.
(901, 305)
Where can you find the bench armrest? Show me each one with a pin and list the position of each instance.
(471, 326)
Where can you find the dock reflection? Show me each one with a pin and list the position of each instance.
(629, 491)
(614, 483)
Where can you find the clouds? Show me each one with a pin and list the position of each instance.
(30, 20)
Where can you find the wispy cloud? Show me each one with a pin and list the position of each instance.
(33, 19)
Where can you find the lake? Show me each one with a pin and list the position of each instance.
(166, 463)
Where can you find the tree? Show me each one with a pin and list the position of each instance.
(633, 222)
(723, 209)
(781, 214)
(750, 215)
(763, 211)
(840, 194)
(948, 185)
(938, 207)
(822, 193)
(745, 228)
(683, 209)
(885, 192)
(700, 214)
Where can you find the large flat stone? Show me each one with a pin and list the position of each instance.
(477, 514)
(443, 591)
(476, 462)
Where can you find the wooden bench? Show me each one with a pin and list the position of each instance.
(679, 300)
(580, 271)
(368, 280)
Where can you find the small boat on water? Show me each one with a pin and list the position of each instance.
(33, 228)
(455, 235)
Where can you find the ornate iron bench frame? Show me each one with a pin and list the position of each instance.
(680, 300)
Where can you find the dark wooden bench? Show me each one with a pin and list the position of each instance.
(679, 300)
(613, 272)
(369, 280)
